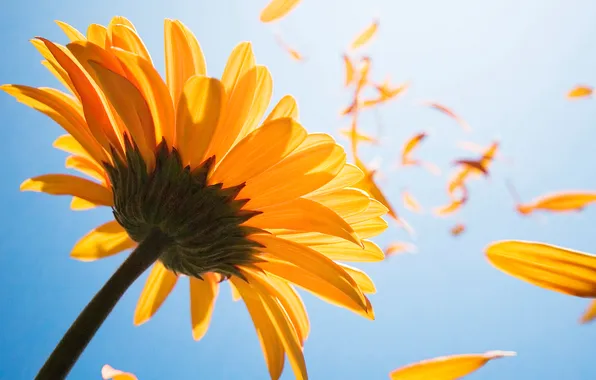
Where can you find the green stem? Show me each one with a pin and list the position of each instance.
(78, 336)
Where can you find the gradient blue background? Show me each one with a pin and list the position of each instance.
(504, 66)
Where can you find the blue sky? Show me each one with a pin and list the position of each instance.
(503, 66)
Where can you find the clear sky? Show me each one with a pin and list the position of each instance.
(504, 66)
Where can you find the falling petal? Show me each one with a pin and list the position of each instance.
(366, 35)
(580, 92)
(452, 367)
(276, 9)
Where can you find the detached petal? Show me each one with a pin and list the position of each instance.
(447, 367)
(551, 267)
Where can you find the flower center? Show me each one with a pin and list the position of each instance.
(202, 222)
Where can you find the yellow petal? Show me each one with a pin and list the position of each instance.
(79, 204)
(298, 174)
(238, 107)
(69, 144)
(146, 78)
(364, 282)
(319, 287)
(65, 184)
(87, 167)
(260, 102)
(240, 62)
(157, 288)
(132, 108)
(281, 322)
(259, 151)
(350, 71)
(99, 121)
(286, 107)
(366, 35)
(304, 215)
(348, 176)
(271, 345)
(345, 251)
(313, 262)
(125, 38)
(71, 32)
(106, 240)
(551, 267)
(121, 20)
(198, 114)
(98, 34)
(203, 294)
(564, 201)
(276, 9)
(292, 303)
(59, 74)
(344, 202)
(580, 92)
(63, 110)
(235, 294)
(184, 57)
(589, 314)
(375, 209)
(370, 228)
(447, 367)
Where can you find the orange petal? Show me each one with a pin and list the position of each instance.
(447, 367)
(203, 294)
(259, 151)
(125, 38)
(580, 92)
(304, 215)
(198, 114)
(106, 240)
(184, 57)
(65, 184)
(589, 314)
(286, 107)
(551, 267)
(157, 288)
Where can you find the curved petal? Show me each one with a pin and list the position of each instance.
(551, 267)
(203, 294)
(260, 101)
(106, 240)
(312, 262)
(344, 202)
(276, 9)
(349, 175)
(364, 282)
(346, 251)
(125, 38)
(589, 314)
(304, 215)
(71, 32)
(63, 110)
(292, 303)
(98, 34)
(69, 144)
(281, 322)
(146, 78)
(238, 107)
(132, 108)
(198, 114)
(157, 288)
(286, 107)
(87, 167)
(184, 57)
(78, 204)
(271, 345)
(65, 184)
(447, 367)
(260, 150)
(298, 174)
(319, 287)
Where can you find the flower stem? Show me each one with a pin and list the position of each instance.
(95, 313)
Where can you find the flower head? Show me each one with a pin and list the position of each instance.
(238, 196)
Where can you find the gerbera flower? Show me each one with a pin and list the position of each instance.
(204, 184)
